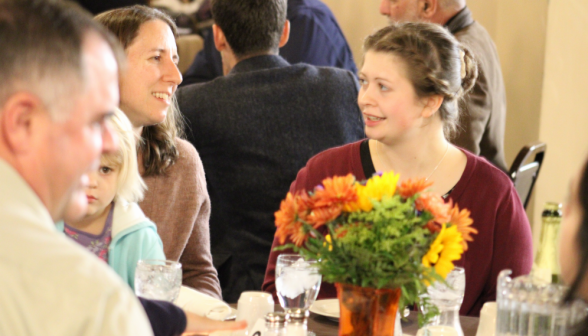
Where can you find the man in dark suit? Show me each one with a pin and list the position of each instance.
(256, 127)
(315, 38)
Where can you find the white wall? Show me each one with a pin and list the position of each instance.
(564, 112)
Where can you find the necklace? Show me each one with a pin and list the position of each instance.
(434, 169)
(438, 164)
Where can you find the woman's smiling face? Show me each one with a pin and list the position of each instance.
(152, 76)
(387, 97)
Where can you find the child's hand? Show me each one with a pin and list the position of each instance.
(199, 325)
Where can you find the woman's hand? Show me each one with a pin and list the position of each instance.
(200, 325)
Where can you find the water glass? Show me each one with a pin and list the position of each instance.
(447, 297)
(297, 282)
(158, 279)
(529, 305)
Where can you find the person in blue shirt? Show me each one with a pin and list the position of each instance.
(114, 228)
(315, 38)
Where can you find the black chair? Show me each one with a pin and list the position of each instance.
(524, 174)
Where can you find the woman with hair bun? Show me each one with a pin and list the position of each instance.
(412, 79)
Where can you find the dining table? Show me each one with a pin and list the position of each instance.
(324, 326)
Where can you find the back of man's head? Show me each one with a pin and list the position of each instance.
(250, 26)
(42, 48)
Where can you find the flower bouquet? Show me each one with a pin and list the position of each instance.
(381, 244)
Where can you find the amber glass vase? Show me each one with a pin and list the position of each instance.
(367, 311)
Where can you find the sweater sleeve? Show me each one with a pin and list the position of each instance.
(513, 244)
(196, 258)
(166, 318)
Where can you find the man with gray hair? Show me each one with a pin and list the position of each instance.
(59, 86)
(483, 115)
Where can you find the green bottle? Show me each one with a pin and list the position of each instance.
(546, 258)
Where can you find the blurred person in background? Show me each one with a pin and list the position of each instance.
(315, 38)
(573, 245)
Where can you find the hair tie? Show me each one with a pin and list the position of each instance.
(463, 65)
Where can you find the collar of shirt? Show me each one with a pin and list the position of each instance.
(460, 20)
(18, 198)
(260, 62)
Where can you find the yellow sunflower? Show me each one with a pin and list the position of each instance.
(375, 189)
(446, 248)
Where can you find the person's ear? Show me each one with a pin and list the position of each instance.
(428, 8)
(285, 34)
(431, 105)
(17, 121)
(220, 41)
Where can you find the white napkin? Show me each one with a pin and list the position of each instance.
(202, 304)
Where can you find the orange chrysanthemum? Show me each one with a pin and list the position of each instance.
(436, 206)
(292, 209)
(298, 234)
(463, 222)
(320, 216)
(335, 190)
(433, 226)
(304, 204)
(409, 187)
(286, 217)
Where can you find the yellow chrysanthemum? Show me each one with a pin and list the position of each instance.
(363, 201)
(328, 241)
(446, 248)
(375, 189)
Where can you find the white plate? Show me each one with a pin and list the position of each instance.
(328, 308)
(232, 316)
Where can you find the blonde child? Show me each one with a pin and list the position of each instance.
(114, 228)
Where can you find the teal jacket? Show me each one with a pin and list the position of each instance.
(134, 237)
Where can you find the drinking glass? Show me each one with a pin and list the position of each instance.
(528, 305)
(448, 297)
(158, 279)
(297, 282)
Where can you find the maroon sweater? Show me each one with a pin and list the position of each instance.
(504, 235)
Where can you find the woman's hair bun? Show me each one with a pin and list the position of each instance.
(469, 69)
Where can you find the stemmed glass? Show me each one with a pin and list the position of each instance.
(297, 282)
(158, 279)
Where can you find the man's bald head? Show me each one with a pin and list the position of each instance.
(435, 11)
